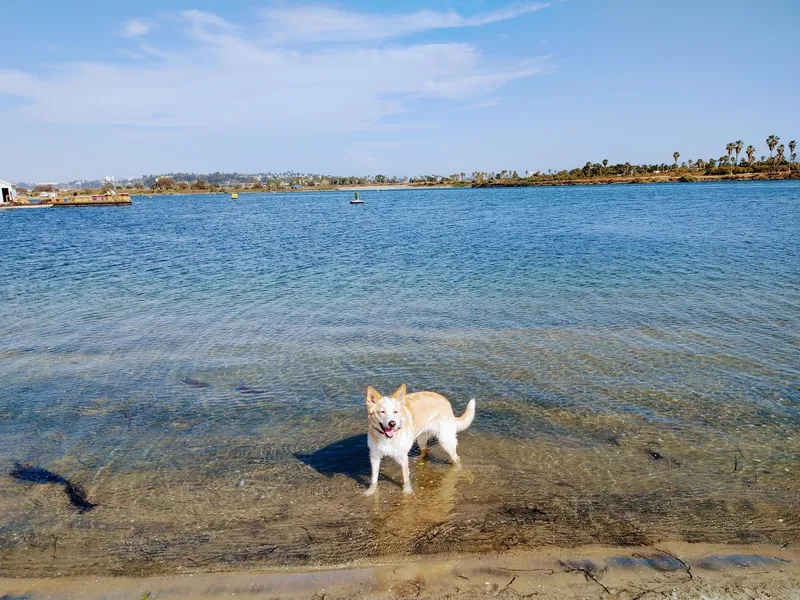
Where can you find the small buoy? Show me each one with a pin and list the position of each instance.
(234, 196)
(355, 199)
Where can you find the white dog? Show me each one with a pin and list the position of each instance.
(396, 421)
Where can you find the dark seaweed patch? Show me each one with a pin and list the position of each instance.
(244, 389)
(35, 474)
(655, 455)
(77, 496)
(190, 381)
(75, 493)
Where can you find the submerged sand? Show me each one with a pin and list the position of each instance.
(674, 571)
(259, 503)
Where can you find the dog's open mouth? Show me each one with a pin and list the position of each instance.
(388, 431)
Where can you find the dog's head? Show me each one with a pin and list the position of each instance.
(385, 412)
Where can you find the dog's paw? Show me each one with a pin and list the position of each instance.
(369, 491)
(407, 490)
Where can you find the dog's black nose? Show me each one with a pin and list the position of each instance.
(392, 423)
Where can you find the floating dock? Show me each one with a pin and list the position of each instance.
(100, 200)
(75, 201)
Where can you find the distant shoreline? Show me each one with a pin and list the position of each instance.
(638, 179)
(634, 179)
(507, 183)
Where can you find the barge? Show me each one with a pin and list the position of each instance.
(97, 200)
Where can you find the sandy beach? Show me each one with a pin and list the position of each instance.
(673, 571)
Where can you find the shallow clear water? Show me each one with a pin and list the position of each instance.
(198, 364)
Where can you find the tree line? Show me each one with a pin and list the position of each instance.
(737, 159)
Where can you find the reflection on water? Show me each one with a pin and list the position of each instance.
(197, 367)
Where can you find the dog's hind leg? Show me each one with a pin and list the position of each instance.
(422, 442)
(448, 441)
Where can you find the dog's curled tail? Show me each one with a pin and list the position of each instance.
(465, 420)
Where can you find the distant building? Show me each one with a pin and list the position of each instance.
(8, 192)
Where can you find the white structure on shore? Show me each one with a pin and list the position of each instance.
(8, 192)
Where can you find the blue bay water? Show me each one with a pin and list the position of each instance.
(160, 337)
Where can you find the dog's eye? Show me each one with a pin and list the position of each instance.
(383, 412)
(395, 412)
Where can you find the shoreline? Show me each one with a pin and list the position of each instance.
(626, 180)
(675, 570)
(642, 179)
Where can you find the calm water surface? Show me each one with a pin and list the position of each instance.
(197, 365)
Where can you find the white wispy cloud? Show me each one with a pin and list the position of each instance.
(199, 21)
(325, 24)
(136, 28)
(488, 103)
(226, 77)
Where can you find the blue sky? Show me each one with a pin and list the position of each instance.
(357, 87)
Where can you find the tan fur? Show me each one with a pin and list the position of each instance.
(417, 417)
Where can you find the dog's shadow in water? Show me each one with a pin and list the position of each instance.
(346, 457)
(349, 457)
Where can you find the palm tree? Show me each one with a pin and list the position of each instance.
(729, 149)
(772, 141)
(737, 146)
(676, 156)
(792, 146)
(605, 165)
(779, 155)
(750, 151)
(627, 167)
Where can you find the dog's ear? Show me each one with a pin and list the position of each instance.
(372, 396)
(400, 393)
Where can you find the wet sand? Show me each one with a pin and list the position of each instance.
(671, 571)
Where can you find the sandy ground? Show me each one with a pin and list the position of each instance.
(670, 571)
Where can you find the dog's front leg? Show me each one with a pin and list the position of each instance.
(375, 461)
(406, 479)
